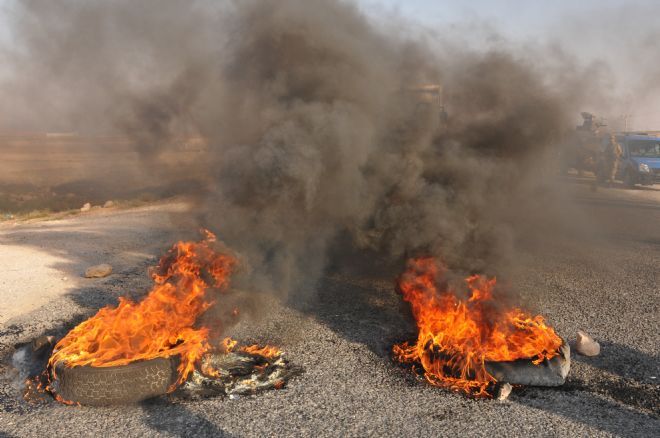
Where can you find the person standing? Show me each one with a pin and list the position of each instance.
(613, 153)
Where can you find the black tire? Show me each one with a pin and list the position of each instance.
(124, 384)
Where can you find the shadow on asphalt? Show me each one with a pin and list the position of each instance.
(356, 299)
(177, 420)
(623, 361)
(588, 408)
(624, 375)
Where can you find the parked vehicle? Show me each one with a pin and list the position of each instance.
(640, 162)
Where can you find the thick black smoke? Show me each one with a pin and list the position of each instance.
(311, 125)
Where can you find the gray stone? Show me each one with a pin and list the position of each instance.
(42, 341)
(98, 271)
(585, 345)
(503, 391)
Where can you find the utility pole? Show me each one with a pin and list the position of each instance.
(626, 120)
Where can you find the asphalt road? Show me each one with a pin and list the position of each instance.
(596, 271)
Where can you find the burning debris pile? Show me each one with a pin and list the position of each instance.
(470, 345)
(139, 350)
(239, 371)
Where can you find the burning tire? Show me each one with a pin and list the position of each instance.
(102, 386)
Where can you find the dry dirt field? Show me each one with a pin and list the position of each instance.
(605, 282)
(61, 172)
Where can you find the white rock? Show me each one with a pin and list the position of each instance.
(109, 204)
(503, 391)
(86, 207)
(586, 345)
(98, 271)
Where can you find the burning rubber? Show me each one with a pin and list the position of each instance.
(473, 344)
(550, 372)
(140, 350)
(225, 372)
(129, 383)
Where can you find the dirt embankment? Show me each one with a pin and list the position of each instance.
(46, 172)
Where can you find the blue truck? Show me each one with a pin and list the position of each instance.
(640, 162)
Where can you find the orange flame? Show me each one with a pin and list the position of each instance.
(161, 325)
(227, 345)
(267, 351)
(456, 338)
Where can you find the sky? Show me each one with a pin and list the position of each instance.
(621, 35)
(515, 18)
(592, 30)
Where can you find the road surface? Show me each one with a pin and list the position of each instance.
(597, 271)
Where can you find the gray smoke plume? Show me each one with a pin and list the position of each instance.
(312, 122)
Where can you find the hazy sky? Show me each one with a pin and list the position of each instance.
(622, 33)
(515, 18)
